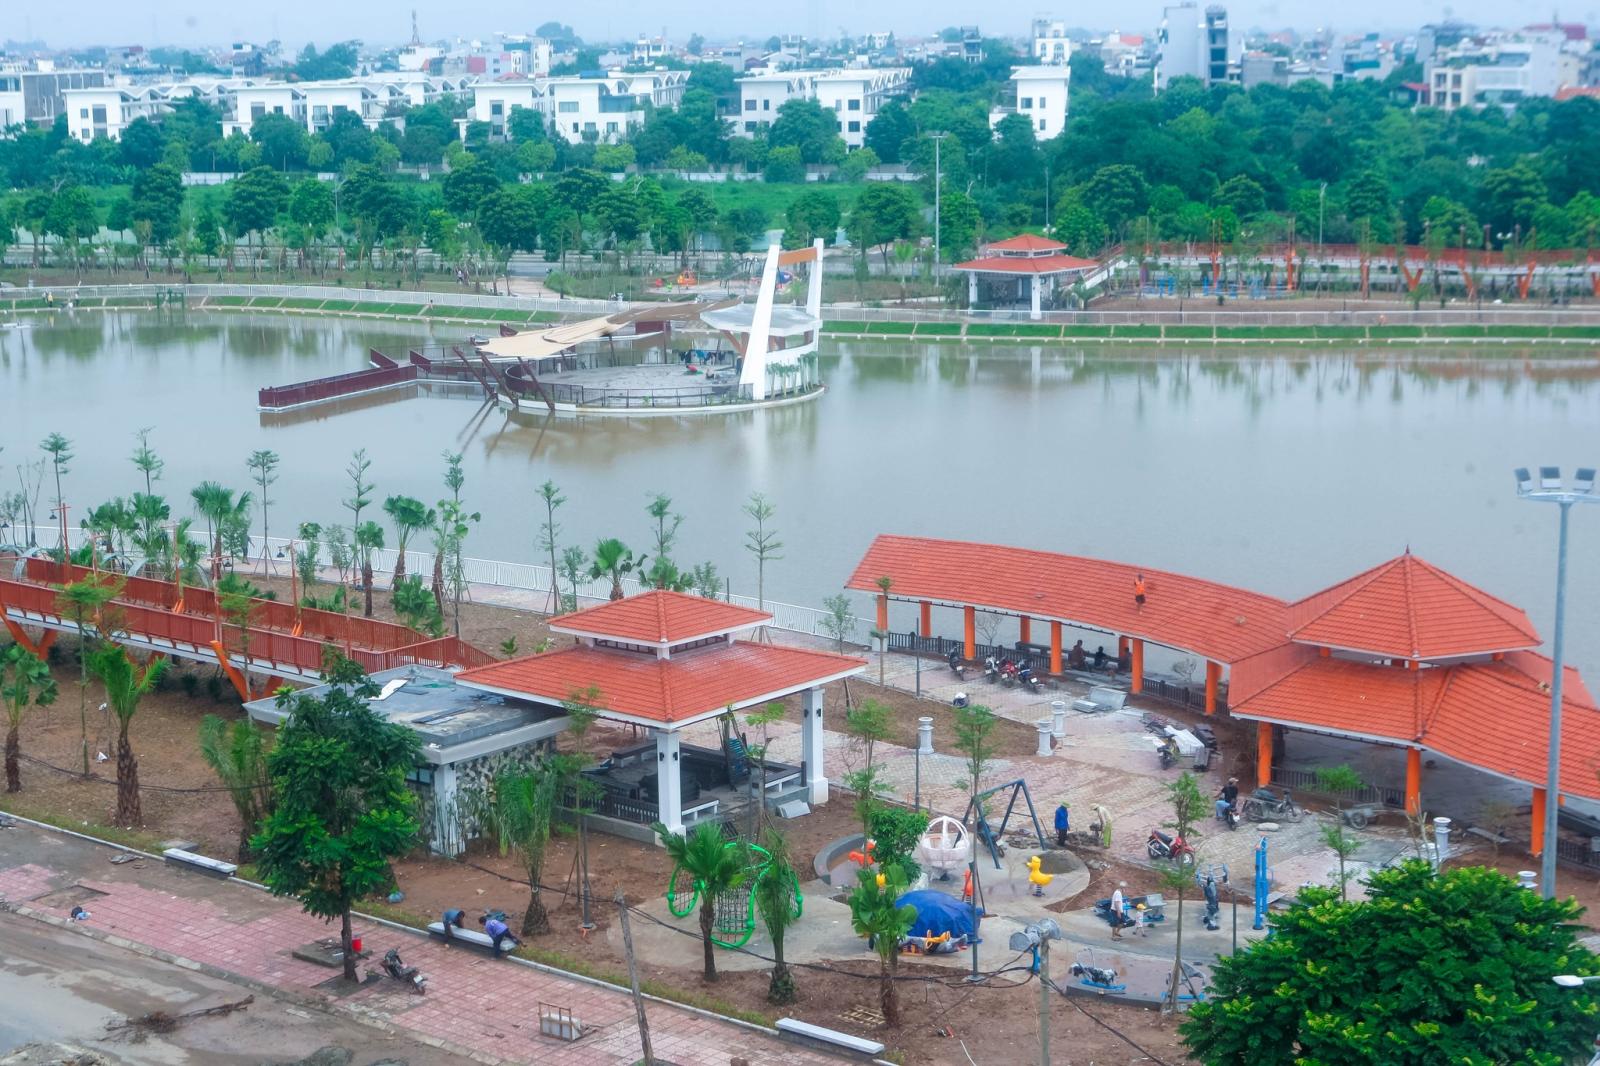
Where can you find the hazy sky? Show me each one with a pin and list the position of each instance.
(296, 21)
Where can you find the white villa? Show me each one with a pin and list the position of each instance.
(854, 95)
(580, 108)
(1039, 94)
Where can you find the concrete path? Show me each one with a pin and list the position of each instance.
(475, 1006)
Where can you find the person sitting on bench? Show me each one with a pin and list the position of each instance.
(1100, 657)
(497, 931)
(1075, 657)
(454, 918)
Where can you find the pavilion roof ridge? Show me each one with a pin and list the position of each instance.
(1411, 616)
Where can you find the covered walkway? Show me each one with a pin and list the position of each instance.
(1218, 624)
(279, 640)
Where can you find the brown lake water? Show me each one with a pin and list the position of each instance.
(1280, 469)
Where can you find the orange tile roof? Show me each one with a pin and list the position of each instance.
(659, 617)
(1214, 621)
(1026, 242)
(1409, 609)
(1039, 264)
(690, 685)
(1489, 714)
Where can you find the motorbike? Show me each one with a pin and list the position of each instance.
(1265, 805)
(1030, 679)
(1008, 672)
(1161, 845)
(991, 669)
(1228, 812)
(957, 667)
(406, 975)
(1167, 752)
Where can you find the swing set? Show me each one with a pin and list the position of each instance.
(734, 921)
(989, 836)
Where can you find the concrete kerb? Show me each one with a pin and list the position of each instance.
(265, 989)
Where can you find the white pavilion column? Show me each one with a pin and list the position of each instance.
(669, 785)
(1033, 295)
(812, 744)
(972, 289)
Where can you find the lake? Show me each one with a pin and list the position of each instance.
(1280, 469)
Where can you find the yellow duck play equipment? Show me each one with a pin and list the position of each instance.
(1037, 879)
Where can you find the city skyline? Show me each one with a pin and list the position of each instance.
(380, 25)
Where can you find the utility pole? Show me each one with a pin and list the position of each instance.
(633, 981)
(1044, 1001)
(936, 136)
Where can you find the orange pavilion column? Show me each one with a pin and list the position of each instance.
(927, 619)
(1537, 847)
(969, 631)
(1122, 647)
(1263, 753)
(1213, 679)
(1413, 781)
(883, 614)
(1025, 629)
(1055, 647)
(1137, 682)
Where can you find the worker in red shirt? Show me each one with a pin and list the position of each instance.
(1138, 590)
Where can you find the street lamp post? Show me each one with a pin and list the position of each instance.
(1552, 489)
(1322, 201)
(936, 136)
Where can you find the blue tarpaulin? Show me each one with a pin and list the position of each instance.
(939, 913)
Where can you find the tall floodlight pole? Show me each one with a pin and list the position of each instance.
(1551, 489)
(936, 136)
(1322, 200)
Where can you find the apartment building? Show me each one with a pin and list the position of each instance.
(1039, 94)
(1196, 44)
(33, 95)
(1481, 72)
(853, 95)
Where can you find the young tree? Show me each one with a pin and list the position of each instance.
(344, 812)
(875, 915)
(126, 684)
(517, 811)
(840, 622)
(974, 727)
(218, 506)
(614, 559)
(761, 542)
(868, 722)
(549, 534)
(763, 720)
(1187, 807)
(25, 682)
(574, 564)
(1447, 967)
(1337, 780)
(368, 538)
(452, 528)
(413, 602)
(884, 584)
(409, 515)
(360, 487)
(237, 753)
(263, 464)
(778, 900)
(667, 523)
(59, 449)
(716, 869)
(84, 601)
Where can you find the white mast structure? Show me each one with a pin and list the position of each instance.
(751, 327)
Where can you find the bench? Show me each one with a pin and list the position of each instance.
(806, 1033)
(1101, 699)
(458, 935)
(214, 867)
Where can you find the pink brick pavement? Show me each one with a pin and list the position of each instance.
(474, 1002)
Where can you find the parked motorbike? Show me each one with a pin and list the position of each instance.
(406, 975)
(1030, 679)
(1164, 846)
(1008, 672)
(991, 669)
(957, 667)
(1265, 805)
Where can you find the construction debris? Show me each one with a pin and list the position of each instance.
(161, 1022)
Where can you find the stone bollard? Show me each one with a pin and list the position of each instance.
(1043, 725)
(1058, 716)
(1527, 879)
(924, 736)
(1441, 839)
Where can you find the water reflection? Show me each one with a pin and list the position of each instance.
(1281, 470)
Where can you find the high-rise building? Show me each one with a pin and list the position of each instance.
(1195, 44)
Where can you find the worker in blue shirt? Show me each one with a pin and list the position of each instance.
(1061, 825)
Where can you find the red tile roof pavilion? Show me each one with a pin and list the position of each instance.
(663, 659)
(1027, 254)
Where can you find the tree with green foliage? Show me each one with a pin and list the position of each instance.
(1337, 781)
(574, 566)
(73, 219)
(283, 141)
(85, 603)
(784, 165)
(409, 517)
(518, 811)
(777, 901)
(311, 207)
(1177, 875)
(127, 683)
(807, 126)
(810, 215)
(255, 199)
(25, 682)
(763, 720)
(884, 213)
(876, 914)
(839, 622)
(974, 728)
(237, 753)
(895, 832)
(157, 201)
(761, 540)
(868, 722)
(1431, 968)
(715, 869)
(367, 539)
(343, 809)
(614, 560)
(263, 465)
(415, 606)
(889, 129)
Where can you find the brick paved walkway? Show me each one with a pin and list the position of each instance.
(474, 1005)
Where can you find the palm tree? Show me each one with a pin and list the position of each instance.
(715, 867)
(518, 811)
(614, 559)
(126, 684)
(778, 900)
(413, 602)
(368, 538)
(237, 753)
(875, 915)
(25, 682)
(409, 516)
(217, 504)
(150, 512)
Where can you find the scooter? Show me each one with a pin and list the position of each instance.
(991, 669)
(1028, 678)
(1265, 805)
(957, 667)
(1163, 846)
(1008, 672)
(1228, 812)
(1167, 752)
(408, 975)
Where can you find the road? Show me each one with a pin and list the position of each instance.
(73, 986)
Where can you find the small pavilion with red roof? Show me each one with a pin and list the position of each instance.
(666, 661)
(1404, 654)
(1021, 270)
